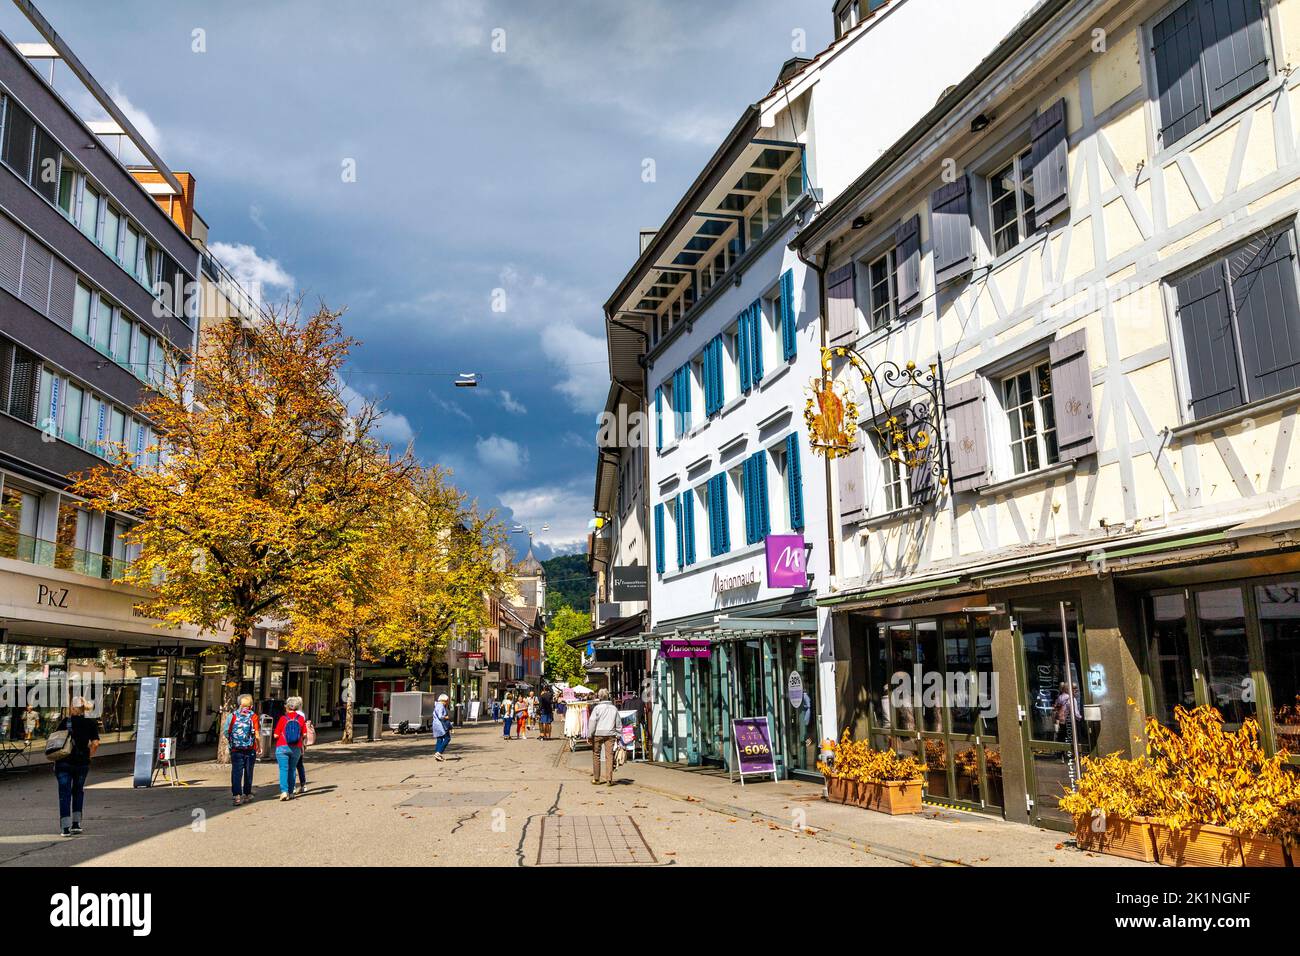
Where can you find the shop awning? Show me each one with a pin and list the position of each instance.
(607, 633)
(737, 629)
(1273, 522)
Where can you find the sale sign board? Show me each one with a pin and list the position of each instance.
(786, 567)
(753, 747)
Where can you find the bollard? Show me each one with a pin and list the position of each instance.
(376, 725)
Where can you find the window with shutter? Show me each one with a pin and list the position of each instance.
(756, 341)
(18, 132)
(1209, 341)
(841, 309)
(1049, 179)
(907, 245)
(1030, 418)
(789, 336)
(36, 276)
(686, 508)
(1070, 384)
(743, 347)
(967, 434)
(659, 418)
(45, 168)
(794, 480)
(882, 290)
(11, 254)
(1207, 53)
(763, 519)
(852, 474)
(950, 229)
(718, 512)
(747, 495)
(679, 528)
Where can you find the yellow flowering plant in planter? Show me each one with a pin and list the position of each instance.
(858, 760)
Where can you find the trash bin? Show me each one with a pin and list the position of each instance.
(376, 724)
(266, 730)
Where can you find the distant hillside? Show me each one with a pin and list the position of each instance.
(568, 582)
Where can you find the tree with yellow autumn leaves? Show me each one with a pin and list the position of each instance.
(263, 485)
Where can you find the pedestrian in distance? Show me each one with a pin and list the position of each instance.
(603, 731)
(521, 717)
(545, 712)
(496, 710)
(245, 747)
(533, 716)
(290, 730)
(507, 715)
(440, 725)
(74, 751)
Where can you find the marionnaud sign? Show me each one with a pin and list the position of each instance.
(734, 582)
(786, 567)
(674, 649)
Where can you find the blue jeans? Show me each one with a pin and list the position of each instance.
(440, 743)
(241, 772)
(287, 758)
(506, 724)
(72, 792)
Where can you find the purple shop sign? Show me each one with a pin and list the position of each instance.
(676, 650)
(753, 746)
(785, 561)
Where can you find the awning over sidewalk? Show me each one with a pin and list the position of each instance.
(610, 631)
(1274, 522)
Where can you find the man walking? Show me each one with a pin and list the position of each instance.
(545, 712)
(602, 729)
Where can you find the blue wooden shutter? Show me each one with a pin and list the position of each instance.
(677, 526)
(724, 517)
(760, 482)
(1209, 341)
(1268, 313)
(687, 515)
(1176, 47)
(789, 340)
(907, 254)
(950, 230)
(756, 344)
(659, 418)
(659, 538)
(1048, 159)
(794, 478)
(1235, 59)
(742, 352)
(747, 490)
(713, 518)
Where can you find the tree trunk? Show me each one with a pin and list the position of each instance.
(351, 699)
(230, 687)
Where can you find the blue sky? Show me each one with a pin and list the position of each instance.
(479, 172)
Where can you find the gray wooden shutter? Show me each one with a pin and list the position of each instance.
(920, 479)
(841, 307)
(1268, 313)
(1072, 396)
(907, 254)
(1047, 134)
(1235, 59)
(63, 293)
(1176, 48)
(950, 230)
(968, 445)
(852, 478)
(1209, 341)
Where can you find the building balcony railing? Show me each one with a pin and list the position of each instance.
(52, 554)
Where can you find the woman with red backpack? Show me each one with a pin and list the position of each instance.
(290, 733)
(245, 745)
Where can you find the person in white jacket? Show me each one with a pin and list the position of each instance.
(602, 730)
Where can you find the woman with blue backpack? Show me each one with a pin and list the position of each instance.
(290, 731)
(245, 745)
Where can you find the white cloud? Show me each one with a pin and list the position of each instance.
(566, 508)
(584, 378)
(252, 271)
(450, 407)
(138, 117)
(393, 427)
(509, 404)
(501, 454)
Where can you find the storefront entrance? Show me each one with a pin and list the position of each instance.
(772, 676)
(933, 696)
(1047, 728)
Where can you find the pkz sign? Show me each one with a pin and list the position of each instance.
(631, 583)
(786, 565)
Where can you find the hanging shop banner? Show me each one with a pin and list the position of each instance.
(753, 747)
(786, 567)
(146, 720)
(808, 648)
(631, 582)
(677, 650)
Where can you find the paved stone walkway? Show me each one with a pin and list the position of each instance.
(493, 802)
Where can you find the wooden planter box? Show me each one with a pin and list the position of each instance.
(894, 797)
(1204, 845)
(1130, 839)
(1262, 851)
